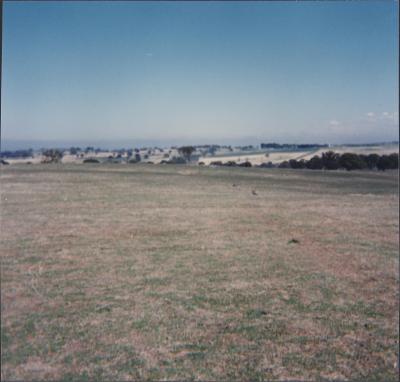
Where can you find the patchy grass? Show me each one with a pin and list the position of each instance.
(169, 272)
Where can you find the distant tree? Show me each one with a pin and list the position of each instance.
(245, 164)
(267, 165)
(351, 161)
(17, 154)
(394, 161)
(315, 163)
(138, 158)
(372, 160)
(186, 152)
(383, 163)
(330, 160)
(284, 164)
(293, 163)
(52, 156)
(177, 160)
(91, 160)
(388, 162)
(89, 149)
(230, 163)
(73, 150)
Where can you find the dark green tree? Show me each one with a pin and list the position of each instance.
(330, 160)
(186, 152)
(52, 156)
(315, 163)
(351, 161)
(372, 161)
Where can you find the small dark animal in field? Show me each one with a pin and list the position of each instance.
(253, 192)
(293, 241)
(234, 185)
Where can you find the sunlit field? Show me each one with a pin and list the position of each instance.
(185, 272)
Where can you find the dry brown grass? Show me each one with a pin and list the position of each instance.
(164, 272)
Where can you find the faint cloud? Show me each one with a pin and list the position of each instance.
(334, 122)
(149, 54)
(390, 116)
(371, 114)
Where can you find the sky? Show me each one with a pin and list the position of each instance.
(200, 72)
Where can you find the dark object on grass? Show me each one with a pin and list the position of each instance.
(293, 241)
(253, 192)
(267, 165)
(234, 185)
(177, 160)
(230, 163)
(91, 160)
(245, 164)
(52, 156)
(216, 163)
(103, 308)
(4, 162)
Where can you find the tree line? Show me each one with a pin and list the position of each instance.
(348, 161)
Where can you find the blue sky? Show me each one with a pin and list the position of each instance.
(200, 72)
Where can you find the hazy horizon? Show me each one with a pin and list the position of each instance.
(10, 144)
(192, 73)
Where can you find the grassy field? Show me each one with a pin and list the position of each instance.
(167, 272)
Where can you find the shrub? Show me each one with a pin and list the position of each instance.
(297, 164)
(350, 161)
(315, 163)
(267, 165)
(177, 160)
(330, 160)
(52, 156)
(394, 160)
(216, 163)
(284, 164)
(388, 162)
(91, 160)
(230, 163)
(371, 160)
(245, 164)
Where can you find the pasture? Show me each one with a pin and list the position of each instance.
(178, 272)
